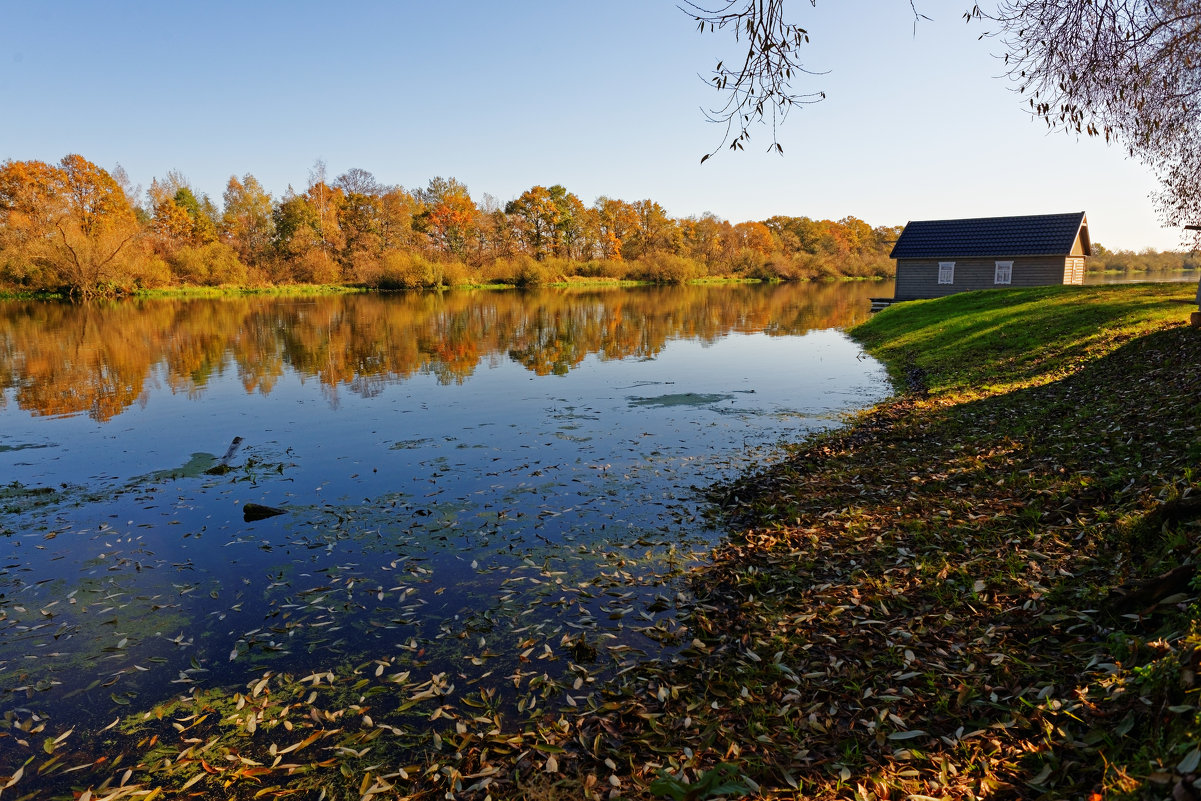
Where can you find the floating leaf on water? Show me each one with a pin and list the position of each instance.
(16, 777)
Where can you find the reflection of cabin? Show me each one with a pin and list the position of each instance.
(942, 257)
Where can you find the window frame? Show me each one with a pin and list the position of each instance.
(946, 269)
(1003, 268)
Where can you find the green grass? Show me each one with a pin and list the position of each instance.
(282, 290)
(1002, 339)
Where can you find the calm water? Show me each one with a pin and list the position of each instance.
(488, 485)
(1148, 276)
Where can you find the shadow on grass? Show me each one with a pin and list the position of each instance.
(924, 602)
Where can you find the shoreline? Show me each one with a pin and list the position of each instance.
(573, 282)
(984, 586)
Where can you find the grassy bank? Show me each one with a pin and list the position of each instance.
(988, 590)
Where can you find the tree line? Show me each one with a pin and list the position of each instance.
(76, 227)
(1147, 260)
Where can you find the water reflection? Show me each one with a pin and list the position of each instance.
(1142, 277)
(58, 359)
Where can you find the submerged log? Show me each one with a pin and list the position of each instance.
(256, 511)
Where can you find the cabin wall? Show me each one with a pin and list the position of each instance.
(918, 278)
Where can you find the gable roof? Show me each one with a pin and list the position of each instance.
(1032, 235)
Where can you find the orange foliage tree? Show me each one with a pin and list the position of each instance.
(68, 224)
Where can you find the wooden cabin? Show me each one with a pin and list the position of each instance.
(942, 257)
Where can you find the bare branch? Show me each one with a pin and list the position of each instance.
(759, 89)
(1127, 70)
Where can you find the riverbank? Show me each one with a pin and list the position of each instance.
(984, 587)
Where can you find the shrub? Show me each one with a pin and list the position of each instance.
(365, 268)
(147, 270)
(317, 267)
(405, 270)
(751, 264)
(213, 264)
(599, 268)
(455, 273)
(531, 272)
(521, 270)
(665, 268)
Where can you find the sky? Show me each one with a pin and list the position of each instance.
(605, 98)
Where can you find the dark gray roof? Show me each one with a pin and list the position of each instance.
(1033, 235)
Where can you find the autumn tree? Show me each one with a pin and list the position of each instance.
(446, 216)
(495, 234)
(754, 236)
(71, 224)
(535, 218)
(570, 227)
(591, 244)
(325, 201)
(653, 231)
(297, 241)
(360, 218)
(396, 211)
(30, 203)
(246, 222)
(706, 238)
(179, 217)
(617, 220)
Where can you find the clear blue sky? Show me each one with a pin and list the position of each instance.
(603, 98)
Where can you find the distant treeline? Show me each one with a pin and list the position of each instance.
(1128, 261)
(75, 227)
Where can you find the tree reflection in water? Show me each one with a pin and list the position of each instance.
(61, 359)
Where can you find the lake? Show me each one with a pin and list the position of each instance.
(476, 500)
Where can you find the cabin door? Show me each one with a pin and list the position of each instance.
(1073, 271)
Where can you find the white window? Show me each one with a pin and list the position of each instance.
(1004, 273)
(946, 272)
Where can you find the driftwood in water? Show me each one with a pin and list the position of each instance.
(222, 467)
